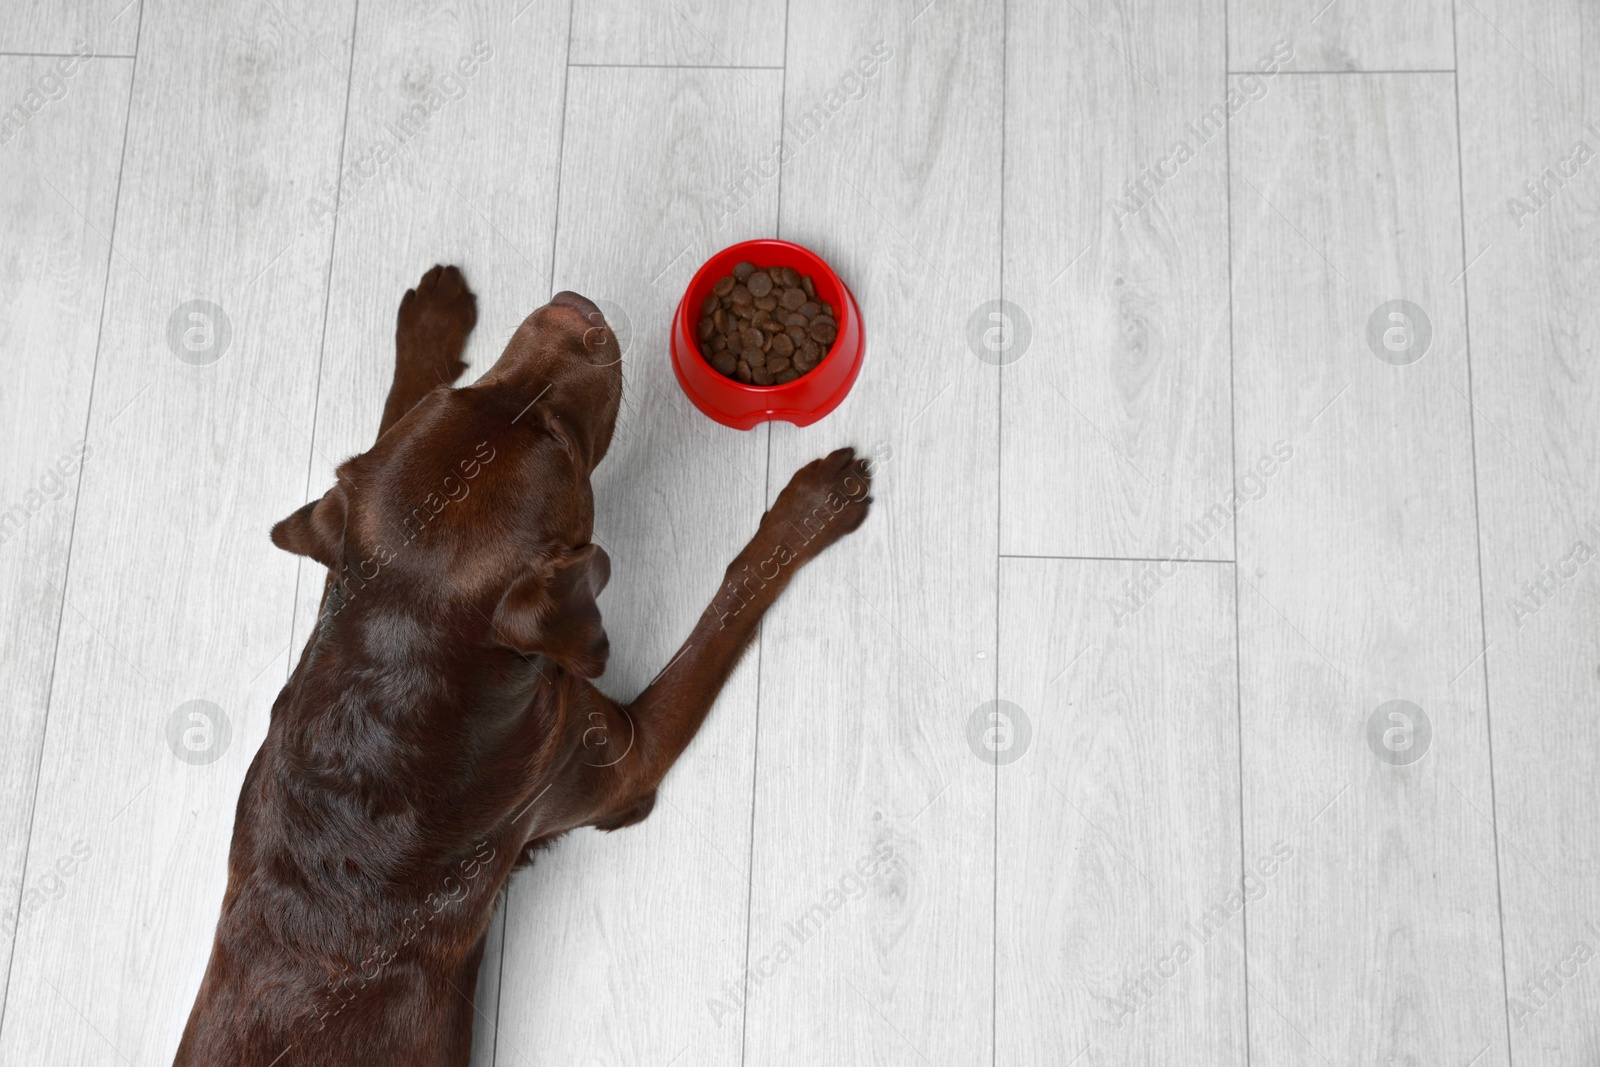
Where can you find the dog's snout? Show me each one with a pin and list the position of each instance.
(581, 304)
(598, 342)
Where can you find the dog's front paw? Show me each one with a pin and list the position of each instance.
(431, 333)
(824, 500)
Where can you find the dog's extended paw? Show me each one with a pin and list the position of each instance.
(431, 332)
(824, 500)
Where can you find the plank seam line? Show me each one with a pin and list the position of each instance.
(1477, 526)
(1111, 559)
(673, 66)
(999, 543)
(1233, 455)
(760, 638)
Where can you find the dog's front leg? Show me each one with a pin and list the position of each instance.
(430, 334)
(823, 501)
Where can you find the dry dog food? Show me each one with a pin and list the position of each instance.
(765, 326)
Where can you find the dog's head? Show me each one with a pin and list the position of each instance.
(475, 510)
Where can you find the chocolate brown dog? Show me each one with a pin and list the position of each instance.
(441, 723)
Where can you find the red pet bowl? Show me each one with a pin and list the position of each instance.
(802, 401)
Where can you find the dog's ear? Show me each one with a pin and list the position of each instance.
(315, 530)
(550, 610)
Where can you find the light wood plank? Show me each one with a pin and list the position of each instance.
(1342, 35)
(58, 182)
(1358, 583)
(98, 27)
(1116, 437)
(882, 647)
(1527, 90)
(432, 186)
(175, 593)
(614, 941)
(720, 33)
(1118, 880)
(486, 1019)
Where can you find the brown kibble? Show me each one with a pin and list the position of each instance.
(765, 325)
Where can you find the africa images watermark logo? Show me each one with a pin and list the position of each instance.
(999, 732)
(46, 89)
(1399, 332)
(808, 122)
(1544, 587)
(849, 887)
(1141, 989)
(395, 136)
(350, 581)
(999, 332)
(1152, 576)
(1541, 191)
(1209, 126)
(740, 591)
(47, 887)
(1399, 732)
(1540, 991)
(50, 486)
(198, 732)
(199, 332)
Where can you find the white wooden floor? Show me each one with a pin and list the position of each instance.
(1194, 504)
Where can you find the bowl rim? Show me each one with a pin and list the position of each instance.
(845, 311)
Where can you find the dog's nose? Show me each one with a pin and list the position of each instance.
(579, 303)
(598, 342)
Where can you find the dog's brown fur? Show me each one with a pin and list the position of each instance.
(441, 723)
